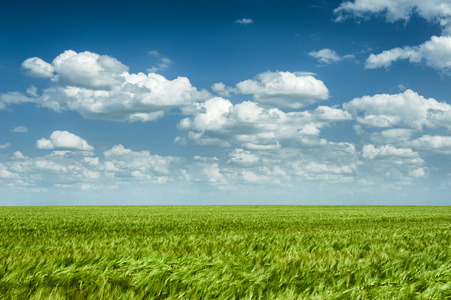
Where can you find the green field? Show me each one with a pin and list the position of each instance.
(225, 252)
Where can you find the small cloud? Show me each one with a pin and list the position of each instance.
(18, 155)
(222, 89)
(244, 21)
(63, 140)
(402, 87)
(4, 146)
(328, 56)
(164, 62)
(154, 53)
(20, 129)
(32, 91)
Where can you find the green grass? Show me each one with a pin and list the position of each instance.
(225, 252)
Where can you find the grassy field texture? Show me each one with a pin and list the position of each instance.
(225, 252)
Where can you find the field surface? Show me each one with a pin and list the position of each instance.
(225, 252)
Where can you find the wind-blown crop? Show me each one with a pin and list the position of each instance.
(225, 252)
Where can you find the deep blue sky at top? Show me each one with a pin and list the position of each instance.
(201, 37)
(207, 45)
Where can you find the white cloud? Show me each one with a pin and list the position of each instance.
(123, 160)
(222, 89)
(431, 10)
(4, 146)
(63, 140)
(18, 155)
(220, 123)
(405, 109)
(5, 173)
(328, 56)
(244, 157)
(372, 152)
(13, 98)
(36, 67)
(244, 21)
(88, 70)
(435, 53)
(392, 136)
(100, 87)
(163, 63)
(284, 89)
(72, 169)
(325, 55)
(20, 129)
(387, 163)
(440, 144)
(418, 173)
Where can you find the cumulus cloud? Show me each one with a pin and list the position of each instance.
(241, 156)
(281, 89)
(63, 140)
(407, 109)
(326, 161)
(36, 67)
(391, 164)
(248, 124)
(435, 53)
(88, 70)
(372, 152)
(328, 56)
(100, 87)
(5, 173)
(222, 89)
(244, 21)
(440, 144)
(120, 159)
(431, 10)
(119, 166)
(392, 136)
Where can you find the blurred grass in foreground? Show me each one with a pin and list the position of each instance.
(226, 252)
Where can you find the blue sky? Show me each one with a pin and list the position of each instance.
(225, 102)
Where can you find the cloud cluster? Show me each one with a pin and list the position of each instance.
(431, 10)
(99, 86)
(280, 89)
(391, 164)
(439, 144)
(83, 169)
(407, 109)
(138, 164)
(271, 140)
(435, 53)
(248, 124)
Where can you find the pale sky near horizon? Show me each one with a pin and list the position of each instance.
(225, 102)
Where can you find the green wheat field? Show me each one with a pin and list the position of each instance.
(225, 252)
